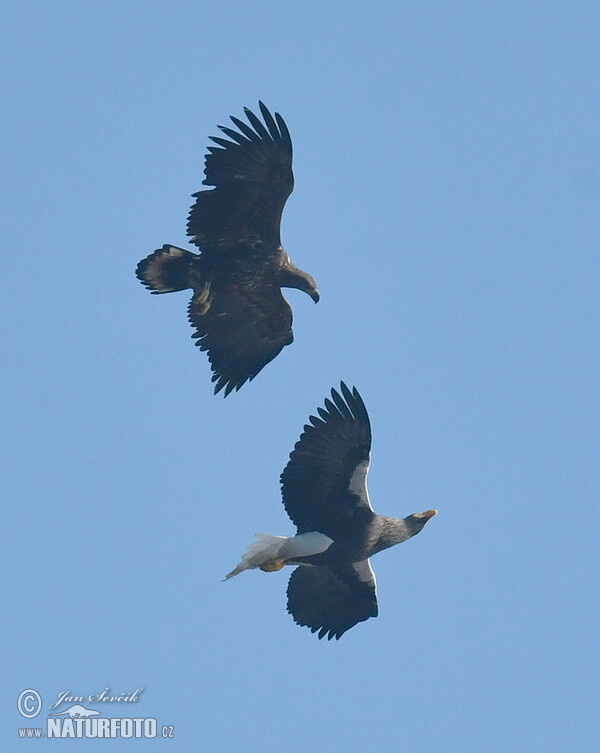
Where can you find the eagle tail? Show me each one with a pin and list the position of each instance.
(273, 552)
(265, 548)
(167, 270)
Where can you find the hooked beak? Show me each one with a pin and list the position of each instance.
(314, 294)
(428, 514)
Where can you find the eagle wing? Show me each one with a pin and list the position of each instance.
(242, 329)
(324, 485)
(331, 600)
(252, 178)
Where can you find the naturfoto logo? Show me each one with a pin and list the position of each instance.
(76, 719)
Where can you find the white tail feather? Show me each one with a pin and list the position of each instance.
(267, 547)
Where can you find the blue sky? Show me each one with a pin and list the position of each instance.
(447, 201)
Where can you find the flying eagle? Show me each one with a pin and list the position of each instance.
(238, 311)
(324, 489)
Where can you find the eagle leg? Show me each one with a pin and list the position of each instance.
(203, 298)
(272, 565)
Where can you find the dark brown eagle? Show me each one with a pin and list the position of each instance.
(324, 491)
(238, 311)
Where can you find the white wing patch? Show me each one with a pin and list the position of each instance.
(365, 573)
(358, 482)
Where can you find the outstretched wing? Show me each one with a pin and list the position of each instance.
(332, 600)
(241, 328)
(324, 484)
(252, 175)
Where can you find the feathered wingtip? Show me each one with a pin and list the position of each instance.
(258, 154)
(348, 406)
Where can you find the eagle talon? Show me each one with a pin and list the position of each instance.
(203, 298)
(272, 565)
(204, 294)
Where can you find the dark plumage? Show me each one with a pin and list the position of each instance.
(324, 489)
(238, 311)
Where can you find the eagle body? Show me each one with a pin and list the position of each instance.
(237, 309)
(324, 490)
(375, 535)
